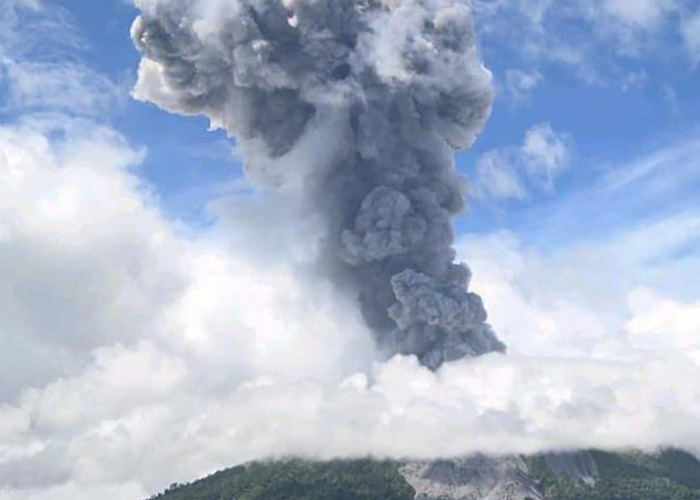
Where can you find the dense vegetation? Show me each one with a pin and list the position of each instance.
(299, 480)
(668, 475)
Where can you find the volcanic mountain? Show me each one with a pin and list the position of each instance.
(594, 475)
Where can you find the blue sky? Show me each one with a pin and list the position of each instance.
(626, 90)
(145, 340)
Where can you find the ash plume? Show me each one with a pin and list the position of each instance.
(360, 104)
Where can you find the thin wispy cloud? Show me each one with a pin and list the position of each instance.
(39, 70)
(584, 37)
(515, 172)
(639, 191)
(691, 35)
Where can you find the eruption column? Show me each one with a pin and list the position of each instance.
(360, 104)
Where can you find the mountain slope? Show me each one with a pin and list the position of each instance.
(595, 475)
(299, 480)
(668, 475)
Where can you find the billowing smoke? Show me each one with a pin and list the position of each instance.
(360, 105)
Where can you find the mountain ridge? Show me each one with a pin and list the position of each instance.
(668, 474)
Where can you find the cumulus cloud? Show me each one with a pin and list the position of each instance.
(110, 317)
(510, 173)
(84, 259)
(575, 308)
(142, 416)
(662, 323)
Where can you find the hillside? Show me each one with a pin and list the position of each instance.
(299, 480)
(668, 475)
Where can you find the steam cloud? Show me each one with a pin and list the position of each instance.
(360, 104)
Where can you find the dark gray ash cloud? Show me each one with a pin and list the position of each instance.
(361, 105)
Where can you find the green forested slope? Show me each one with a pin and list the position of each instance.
(299, 480)
(668, 475)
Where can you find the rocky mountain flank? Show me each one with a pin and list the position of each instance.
(591, 475)
(486, 478)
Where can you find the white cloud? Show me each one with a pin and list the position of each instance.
(508, 173)
(80, 244)
(645, 14)
(115, 328)
(71, 88)
(583, 300)
(498, 178)
(691, 36)
(34, 70)
(593, 39)
(71, 491)
(546, 153)
(519, 84)
(658, 322)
